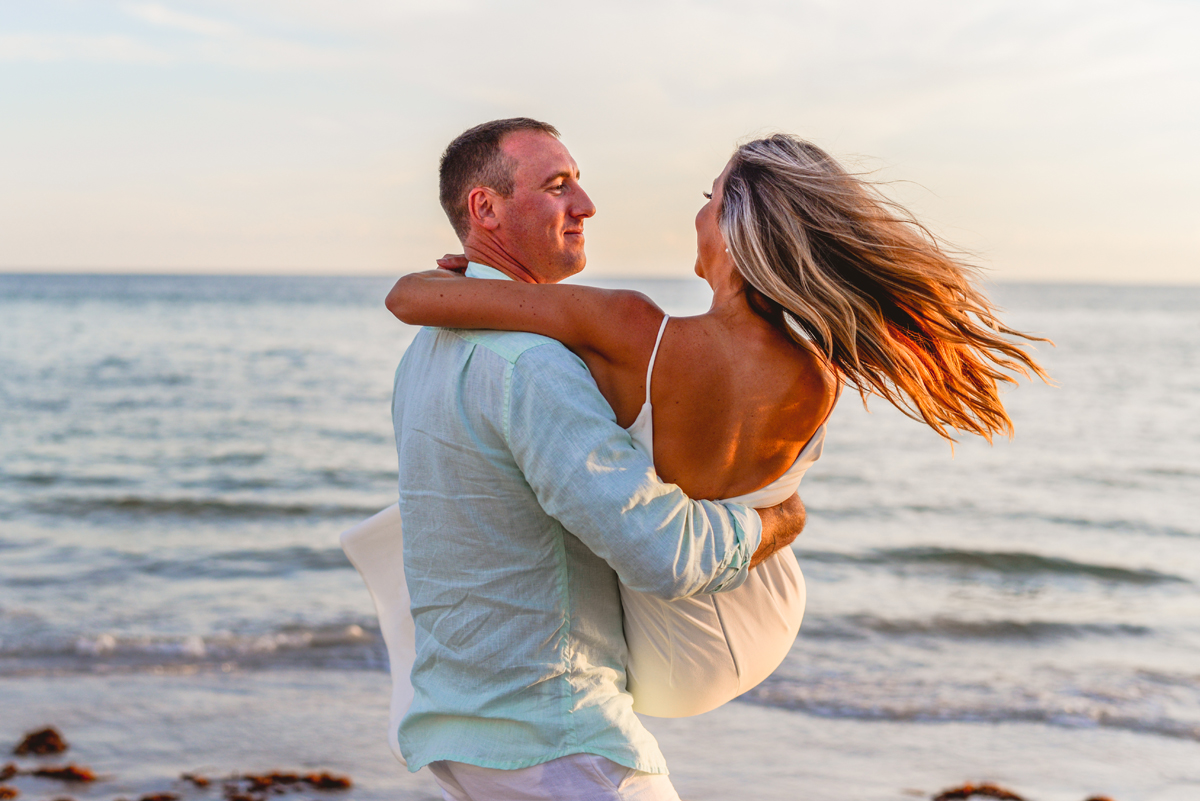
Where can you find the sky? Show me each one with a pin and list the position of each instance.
(1056, 140)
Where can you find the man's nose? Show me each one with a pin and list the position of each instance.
(583, 206)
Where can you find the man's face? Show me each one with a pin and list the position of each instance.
(541, 225)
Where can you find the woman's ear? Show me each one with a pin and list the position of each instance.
(481, 208)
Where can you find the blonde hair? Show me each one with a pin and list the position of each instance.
(833, 263)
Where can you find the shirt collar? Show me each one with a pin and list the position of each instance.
(477, 270)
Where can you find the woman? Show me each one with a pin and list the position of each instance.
(817, 281)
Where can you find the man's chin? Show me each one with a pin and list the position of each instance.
(573, 261)
(574, 268)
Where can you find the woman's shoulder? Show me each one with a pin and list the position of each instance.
(627, 305)
(615, 322)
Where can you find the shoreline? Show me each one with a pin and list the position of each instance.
(140, 732)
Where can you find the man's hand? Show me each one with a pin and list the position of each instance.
(455, 262)
(780, 526)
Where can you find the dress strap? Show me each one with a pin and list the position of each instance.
(654, 354)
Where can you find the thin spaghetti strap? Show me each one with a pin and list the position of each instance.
(654, 354)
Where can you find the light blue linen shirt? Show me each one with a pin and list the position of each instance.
(523, 501)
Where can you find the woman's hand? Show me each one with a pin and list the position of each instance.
(455, 262)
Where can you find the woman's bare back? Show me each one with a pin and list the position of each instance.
(734, 401)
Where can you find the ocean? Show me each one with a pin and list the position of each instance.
(179, 453)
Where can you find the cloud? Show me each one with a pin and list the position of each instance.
(157, 14)
(51, 47)
(170, 36)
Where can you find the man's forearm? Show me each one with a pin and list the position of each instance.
(781, 525)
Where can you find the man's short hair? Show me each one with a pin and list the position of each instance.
(474, 159)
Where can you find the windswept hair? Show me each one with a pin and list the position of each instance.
(832, 262)
(474, 159)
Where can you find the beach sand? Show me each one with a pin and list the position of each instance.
(139, 732)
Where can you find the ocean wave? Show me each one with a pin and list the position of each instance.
(1065, 711)
(841, 479)
(367, 437)
(339, 477)
(1170, 472)
(1189, 681)
(341, 646)
(116, 371)
(890, 511)
(240, 459)
(138, 506)
(1111, 524)
(1138, 706)
(1008, 563)
(272, 561)
(42, 479)
(860, 626)
(243, 563)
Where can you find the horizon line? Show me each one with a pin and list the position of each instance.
(109, 273)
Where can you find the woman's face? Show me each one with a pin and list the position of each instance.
(712, 259)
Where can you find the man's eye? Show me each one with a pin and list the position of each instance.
(707, 195)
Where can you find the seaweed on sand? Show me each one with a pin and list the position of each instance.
(41, 743)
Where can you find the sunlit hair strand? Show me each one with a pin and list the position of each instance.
(834, 263)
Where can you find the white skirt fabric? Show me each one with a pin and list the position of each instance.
(690, 656)
(686, 657)
(376, 549)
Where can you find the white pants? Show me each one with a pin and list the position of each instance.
(578, 777)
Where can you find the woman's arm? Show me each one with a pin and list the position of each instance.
(609, 323)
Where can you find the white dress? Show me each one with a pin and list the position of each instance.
(689, 656)
(686, 657)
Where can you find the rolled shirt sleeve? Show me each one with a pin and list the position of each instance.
(584, 472)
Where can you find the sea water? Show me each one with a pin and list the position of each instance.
(178, 454)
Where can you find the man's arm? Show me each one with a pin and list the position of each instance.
(586, 474)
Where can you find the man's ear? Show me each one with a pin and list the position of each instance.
(481, 208)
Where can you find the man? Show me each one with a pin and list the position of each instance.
(523, 501)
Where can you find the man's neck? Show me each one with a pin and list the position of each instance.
(495, 257)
